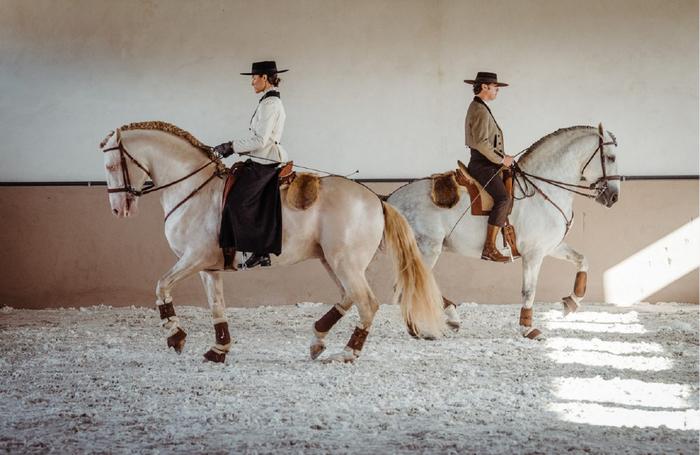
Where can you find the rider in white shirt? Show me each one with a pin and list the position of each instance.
(263, 142)
(267, 123)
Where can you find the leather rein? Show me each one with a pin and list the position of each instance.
(596, 186)
(151, 188)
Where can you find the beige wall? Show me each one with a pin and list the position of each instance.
(375, 85)
(60, 246)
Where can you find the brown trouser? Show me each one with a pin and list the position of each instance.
(483, 170)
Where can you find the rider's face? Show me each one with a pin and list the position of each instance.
(489, 91)
(259, 82)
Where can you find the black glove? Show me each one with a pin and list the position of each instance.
(224, 150)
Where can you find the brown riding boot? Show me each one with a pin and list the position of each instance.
(490, 252)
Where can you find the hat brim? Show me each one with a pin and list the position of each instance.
(498, 84)
(251, 74)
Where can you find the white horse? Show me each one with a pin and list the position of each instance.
(552, 171)
(343, 228)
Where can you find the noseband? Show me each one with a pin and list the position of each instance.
(151, 187)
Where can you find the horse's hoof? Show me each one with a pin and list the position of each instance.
(216, 357)
(338, 358)
(533, 334)
(453, 325)
(570, 306)
(177, 340)
(315, 350)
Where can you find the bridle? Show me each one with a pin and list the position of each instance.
(151, 187)
(598, 187)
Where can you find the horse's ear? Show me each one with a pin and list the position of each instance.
(601, 131)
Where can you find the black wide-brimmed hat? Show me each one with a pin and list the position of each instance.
(482, 77)
(268, 67)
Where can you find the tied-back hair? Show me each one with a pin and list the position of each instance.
(274, 79)
(477, 88)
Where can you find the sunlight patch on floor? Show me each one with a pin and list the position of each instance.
(629, 392)
(654, 267)
(595, 344)
(592, 316)
(596, 414)
(620, 362)
(595, 327)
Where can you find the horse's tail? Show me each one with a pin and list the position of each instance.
(414, 285)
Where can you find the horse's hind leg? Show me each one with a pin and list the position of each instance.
(328, 320)
(572, 302)
(531, 271)
(357, 291)
(164, 301)
(214, 287)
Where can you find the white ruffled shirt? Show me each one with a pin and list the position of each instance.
(266, 129)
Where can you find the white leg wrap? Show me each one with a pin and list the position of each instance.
(576, 299)
(172, 323)
(451, 313)
(220, 320)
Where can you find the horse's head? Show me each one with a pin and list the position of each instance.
(600, 170)
(125, 176)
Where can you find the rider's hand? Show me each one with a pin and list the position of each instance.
(224, 150)
(507, 161)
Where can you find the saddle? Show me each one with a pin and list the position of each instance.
(447, 186)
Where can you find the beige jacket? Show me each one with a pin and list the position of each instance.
(266, 129)
(482, 133)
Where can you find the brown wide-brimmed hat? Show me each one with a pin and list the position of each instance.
(482, 77)
(267, 67)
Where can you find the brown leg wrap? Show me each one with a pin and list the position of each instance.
(177, 340)
(222, 335)
(357, 340)
(526, 317)
(580, 284)
(328, 320)
(447, 302)
(166, 310)
(510, 240)
(215, 357)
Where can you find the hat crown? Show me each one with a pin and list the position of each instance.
(264, 67)
(268, 66)
(485, 77)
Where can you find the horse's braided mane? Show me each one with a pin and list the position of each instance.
(167, 128)
(558, 132)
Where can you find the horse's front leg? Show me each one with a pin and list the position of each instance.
(572, 302)
(531, 271)
(214, 287)
(183, 268)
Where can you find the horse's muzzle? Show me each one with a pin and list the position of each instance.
(608, 197)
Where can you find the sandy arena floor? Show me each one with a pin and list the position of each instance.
(607, 380)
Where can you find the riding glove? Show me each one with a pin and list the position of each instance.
(224, 150)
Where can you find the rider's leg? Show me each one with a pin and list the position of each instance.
(488, 175)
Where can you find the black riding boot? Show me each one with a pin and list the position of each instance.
(262, 260)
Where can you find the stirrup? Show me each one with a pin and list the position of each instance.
(262, 260)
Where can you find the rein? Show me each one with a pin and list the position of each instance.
(595, 186)
(128, 188)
